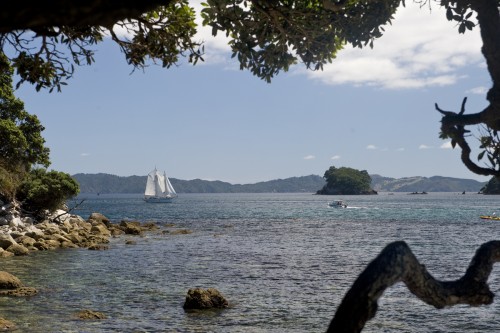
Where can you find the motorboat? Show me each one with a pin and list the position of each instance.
(337, 204)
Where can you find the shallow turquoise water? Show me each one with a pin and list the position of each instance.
(284, 261)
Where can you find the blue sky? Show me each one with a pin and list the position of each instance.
(371, 110)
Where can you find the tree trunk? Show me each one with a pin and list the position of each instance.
(396, 263)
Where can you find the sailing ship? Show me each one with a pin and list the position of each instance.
(159, 188)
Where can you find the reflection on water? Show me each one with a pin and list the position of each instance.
(284, 261)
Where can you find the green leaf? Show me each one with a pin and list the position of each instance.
(449, 14)
(481, 155)
(469, 25)
(461, 28)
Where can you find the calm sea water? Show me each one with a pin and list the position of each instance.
(284, 262)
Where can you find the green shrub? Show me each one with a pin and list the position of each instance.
(11, 177)
(44, 190)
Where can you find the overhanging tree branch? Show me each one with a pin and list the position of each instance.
(453, 127)
(40, 16)
(453, 124)
(396, 263)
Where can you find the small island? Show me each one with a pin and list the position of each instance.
(346, 181)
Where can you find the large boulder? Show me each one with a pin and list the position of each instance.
(198, 298)
(18, 250)
(12, 286)
(6, 240)
(98, 217)
(131, 227)
(9, 281)
(100, 229)
(34, 232)
(26, 241)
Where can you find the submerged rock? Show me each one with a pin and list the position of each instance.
(6, 325)
(198, 298)
(98, 247)
(19, 292)
(178, 232)
(90, 314)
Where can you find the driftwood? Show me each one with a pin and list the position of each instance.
(57, 218)
(396, 263)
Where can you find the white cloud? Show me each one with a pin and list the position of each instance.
(309, 157)
(84, 154)
(336, 157)
(400, 149)
(478, 90)
(411, 54)
(371, 147)
(424, 147)
(446, 145)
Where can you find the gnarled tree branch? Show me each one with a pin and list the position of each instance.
(396, 263)
(453, 124)
(40, 16)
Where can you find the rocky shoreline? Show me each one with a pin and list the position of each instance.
(20, 235)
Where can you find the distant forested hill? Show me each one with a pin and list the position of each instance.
(105, 183)
(420, 184)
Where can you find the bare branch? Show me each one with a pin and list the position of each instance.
(453, 127)
(57, 218)
(396, 263)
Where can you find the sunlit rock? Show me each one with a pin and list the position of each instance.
(6, 240)
(9, 281)
(198, 298)
(18, 250)
(98, 217)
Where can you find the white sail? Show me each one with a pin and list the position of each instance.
(169, 189)
(150, 185)
(158, 188)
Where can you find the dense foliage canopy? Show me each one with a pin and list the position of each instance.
(346, 181)
(21, 141)
(20, 132)
(22, 150)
